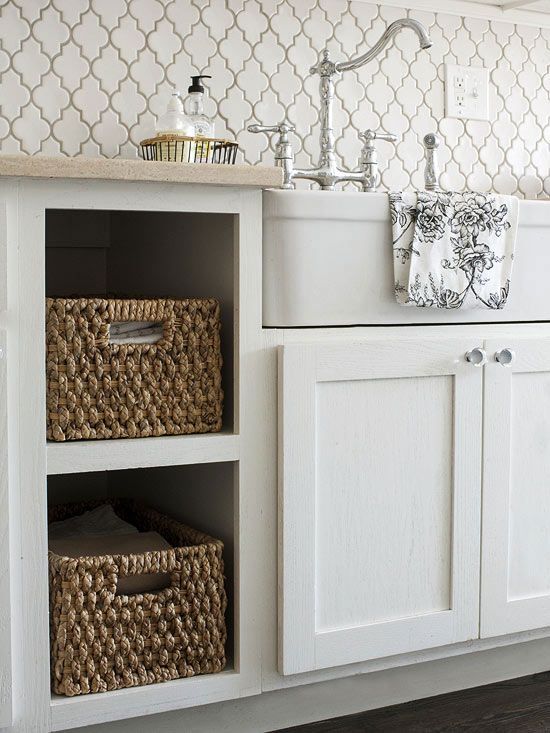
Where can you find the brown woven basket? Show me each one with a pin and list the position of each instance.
(102, 641)
(96, 389)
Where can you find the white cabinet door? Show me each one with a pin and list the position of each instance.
(5, 611)
(380, 449)
(515, 585)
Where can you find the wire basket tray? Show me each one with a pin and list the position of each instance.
(181, 149)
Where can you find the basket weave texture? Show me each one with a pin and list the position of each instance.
(96, 389)
(101, 641)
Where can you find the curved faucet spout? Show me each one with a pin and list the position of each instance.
(328, 173)
(391, 30)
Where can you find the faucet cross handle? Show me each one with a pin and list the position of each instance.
(369, 136)
(368, 162)
(284, 155)
(283, 129)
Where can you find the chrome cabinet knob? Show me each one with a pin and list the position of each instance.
(505, 357)
(477, 357)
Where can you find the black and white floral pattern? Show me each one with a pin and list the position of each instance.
(453, 250)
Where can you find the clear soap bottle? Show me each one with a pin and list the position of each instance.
(194, 108)
(174, 120)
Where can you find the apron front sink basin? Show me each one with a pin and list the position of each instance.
(328, 261)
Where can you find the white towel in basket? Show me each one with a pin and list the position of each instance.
(99, 521)
(453, 250)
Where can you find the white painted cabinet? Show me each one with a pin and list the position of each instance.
(205, 240)
(5, 611)
(382, 459)
(516, 488)
(380, 499)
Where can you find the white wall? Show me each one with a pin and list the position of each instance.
(88, 76)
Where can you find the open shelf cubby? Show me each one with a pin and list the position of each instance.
(203, 496)
(148, 254)
(193, 478)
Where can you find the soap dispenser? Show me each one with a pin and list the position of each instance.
(174, 121)
(194, 107)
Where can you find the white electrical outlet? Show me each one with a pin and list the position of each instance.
(466, 92)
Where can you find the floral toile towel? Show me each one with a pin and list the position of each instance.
(453, 250)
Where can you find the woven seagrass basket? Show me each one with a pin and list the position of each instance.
(102, 641)
(97, 389)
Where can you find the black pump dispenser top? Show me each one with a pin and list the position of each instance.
(196, 85)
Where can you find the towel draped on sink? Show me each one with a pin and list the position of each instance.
(453, 250)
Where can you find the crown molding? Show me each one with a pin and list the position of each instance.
(472, 10)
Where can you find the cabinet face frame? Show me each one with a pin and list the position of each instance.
(34, 708)
(302, 647)
(5, 595)
(500, 613)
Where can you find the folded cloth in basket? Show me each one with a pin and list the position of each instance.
(453, 250)
(101, 520)
(118, 544)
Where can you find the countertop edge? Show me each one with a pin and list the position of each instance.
(122, 169)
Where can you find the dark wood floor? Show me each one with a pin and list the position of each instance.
(517, 706)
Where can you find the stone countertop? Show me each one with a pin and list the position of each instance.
(121, 169)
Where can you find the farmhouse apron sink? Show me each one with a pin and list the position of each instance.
(327, 261)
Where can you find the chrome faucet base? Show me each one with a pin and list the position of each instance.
(327, 180)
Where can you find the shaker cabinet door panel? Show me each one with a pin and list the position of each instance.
(515, 587)
(379, 500)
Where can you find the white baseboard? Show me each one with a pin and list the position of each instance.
(309, 703)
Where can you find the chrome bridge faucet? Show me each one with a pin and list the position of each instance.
(328, 174)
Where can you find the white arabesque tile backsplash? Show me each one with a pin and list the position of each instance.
(89, 76)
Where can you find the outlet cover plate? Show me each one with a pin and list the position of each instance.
(466, 92)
